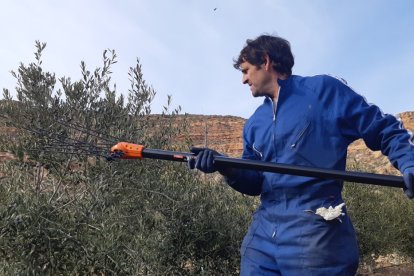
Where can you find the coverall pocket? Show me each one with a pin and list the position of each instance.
(250, 233)
(307, 150)
(327, 243)
(300, 135)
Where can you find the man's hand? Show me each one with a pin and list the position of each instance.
(409, 182)
(204, 160)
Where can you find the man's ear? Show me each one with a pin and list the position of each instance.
(267, 62)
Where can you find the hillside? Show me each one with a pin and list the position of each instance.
(222, 133)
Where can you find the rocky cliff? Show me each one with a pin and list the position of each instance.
(222, 133)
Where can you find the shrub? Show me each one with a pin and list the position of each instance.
(68, 211)
(382, 218)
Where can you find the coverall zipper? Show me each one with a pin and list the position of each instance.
(300, 135)
(274, 110)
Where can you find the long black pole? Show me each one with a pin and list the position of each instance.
(351, 176)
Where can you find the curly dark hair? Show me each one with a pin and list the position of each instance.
(277, 48)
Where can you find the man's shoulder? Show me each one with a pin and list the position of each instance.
(322, 83)
(319, 79)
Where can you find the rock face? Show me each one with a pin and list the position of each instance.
(222, 133)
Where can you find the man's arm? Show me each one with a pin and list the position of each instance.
(359, 119)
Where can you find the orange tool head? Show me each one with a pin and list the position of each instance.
(126, 150)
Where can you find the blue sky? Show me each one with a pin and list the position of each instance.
(186, 47)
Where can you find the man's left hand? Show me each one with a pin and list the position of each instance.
(204, 160)
(409, 182)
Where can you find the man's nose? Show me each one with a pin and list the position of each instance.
(244, 79)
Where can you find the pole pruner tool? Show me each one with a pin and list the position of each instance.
(124, 150)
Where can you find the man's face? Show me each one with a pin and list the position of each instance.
(259, 79)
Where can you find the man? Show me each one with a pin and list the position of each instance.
(307, 121)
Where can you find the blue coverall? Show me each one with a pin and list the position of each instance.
(314, 121)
